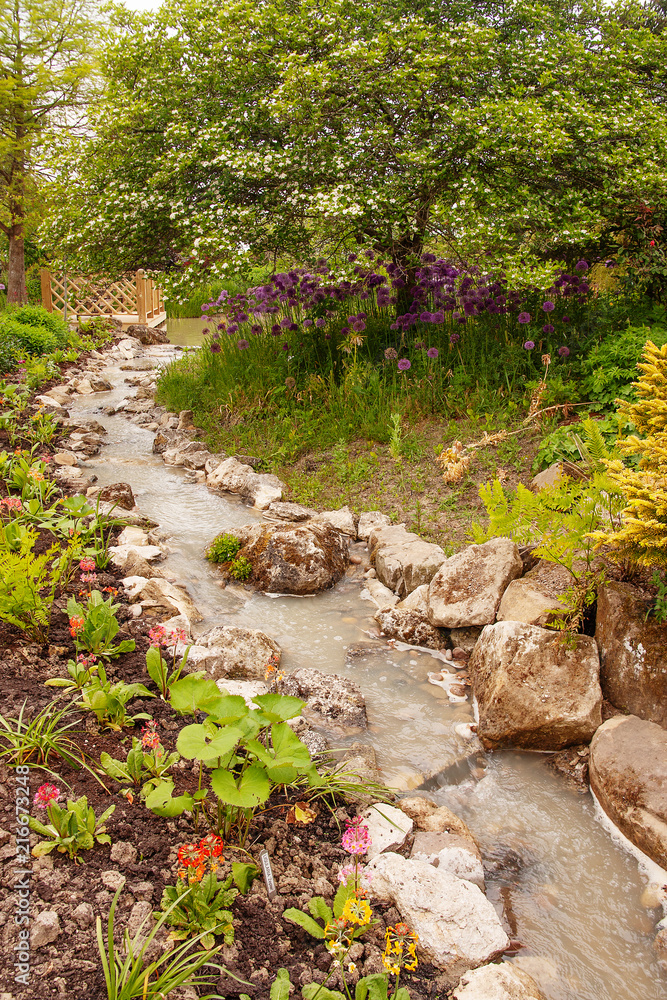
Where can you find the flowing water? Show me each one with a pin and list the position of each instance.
(572, 895)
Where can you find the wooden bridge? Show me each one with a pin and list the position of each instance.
(132, 299)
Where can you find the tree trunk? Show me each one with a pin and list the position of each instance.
(16, 286)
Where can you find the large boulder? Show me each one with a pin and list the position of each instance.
(468, 586)
(146, 334)
(403, 561)
(535, 689)
(628, 774)
(536, 596)
(232, 476)
(633, 654)
(458, 927)
(331, 700)
(411, 627)
(497, 982)
(229, 651)
(294, 558)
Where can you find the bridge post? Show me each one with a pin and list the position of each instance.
(141, 297)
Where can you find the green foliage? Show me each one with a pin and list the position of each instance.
(321, 911)
(71, 829)
(659, 609)
(24, 577)
(99, 628)
(109, 701)
(565, 443)
(395, 437)
(249, 751)
(79, 673)
(203, 909)
(34, 741)
(130, 975)
(223, 548)
(157, 667)
(240, 568)
(610, 368)
(142, 768)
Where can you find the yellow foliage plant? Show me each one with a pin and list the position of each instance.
(641, 537)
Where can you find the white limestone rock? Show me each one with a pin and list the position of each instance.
(468, 586)
(388, 828)
(403, 561)
(497, 982)
(458, 927)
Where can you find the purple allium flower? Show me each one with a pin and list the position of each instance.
(293, 326)
(307, 322)
(548, 307)
(584, 287)
(564, 352)
(242, 345)
(529, 345)
(221, 326)
(320, 322)
(390, 354)
(205, 307)
(327, 336)
(285, 322)
(581, 265)
(425, 317)
(232, 329)
(454, 338)
(215, 347)
(285, 347)
(432, 352)
(403, 365)
(420, 345)
(275, 329)
(351, 257)
(2, 288)
(524, 317)
(548, 328)
(393, 326)
(566, 319)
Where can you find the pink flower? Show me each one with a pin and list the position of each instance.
(45, 795)
(89, 577)
(157, 635)
(356, 839)
(174, 637)
(87, 565)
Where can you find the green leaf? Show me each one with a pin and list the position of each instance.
(288, 746)
(280, 986)
(244, 875)
(279, 707)
(343, 893)
(202, 743)
(313, 990)
(195, 691)
(374, 987)
(253, 788)
(161, 802)
(228, 708)
(303, 920)
(319, 908)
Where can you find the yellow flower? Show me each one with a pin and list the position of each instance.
(357, 911)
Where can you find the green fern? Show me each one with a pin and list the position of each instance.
(23, 577)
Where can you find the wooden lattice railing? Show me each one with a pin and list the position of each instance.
(74, 295)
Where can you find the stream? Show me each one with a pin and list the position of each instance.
(572, 894)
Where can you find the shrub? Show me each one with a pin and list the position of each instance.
(240, 568)
(223, 548)
(610, 368)
(641, 537)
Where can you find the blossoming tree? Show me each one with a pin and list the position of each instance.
(254, 132)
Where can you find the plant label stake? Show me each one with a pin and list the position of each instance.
(267, 872)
